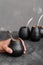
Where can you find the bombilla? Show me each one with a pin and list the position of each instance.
(29, 21)
(39, 19)
(11, 35)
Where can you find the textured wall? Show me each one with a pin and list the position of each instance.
(15, 13)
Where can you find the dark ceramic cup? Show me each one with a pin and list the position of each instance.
(17, 48)
(24, 32)
(35, 33)
(41, 31)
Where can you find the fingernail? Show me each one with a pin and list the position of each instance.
(24, 52)
(10, 51)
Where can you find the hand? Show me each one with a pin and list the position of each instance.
(4, 46)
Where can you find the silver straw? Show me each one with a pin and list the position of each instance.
(39, 19)
(29, 21)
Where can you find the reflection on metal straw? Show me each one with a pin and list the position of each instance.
(29, 21)
(11, 36)
(39, 19)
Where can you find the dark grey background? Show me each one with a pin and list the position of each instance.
(15, 13)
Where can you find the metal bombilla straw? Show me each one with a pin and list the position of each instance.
(29, 21)
(39, 20)
(11, 36)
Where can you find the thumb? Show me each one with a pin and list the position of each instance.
(7, 49)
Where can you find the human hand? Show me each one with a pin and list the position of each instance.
(4, 46)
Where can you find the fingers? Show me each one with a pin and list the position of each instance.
(7, 42)
(23, 45)
(7, 49)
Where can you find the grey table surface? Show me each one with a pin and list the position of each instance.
(34, 55)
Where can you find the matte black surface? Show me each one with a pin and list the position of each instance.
(34, 55)
(24, 32)
(41, 31)
(35, 34)
(17, 48)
